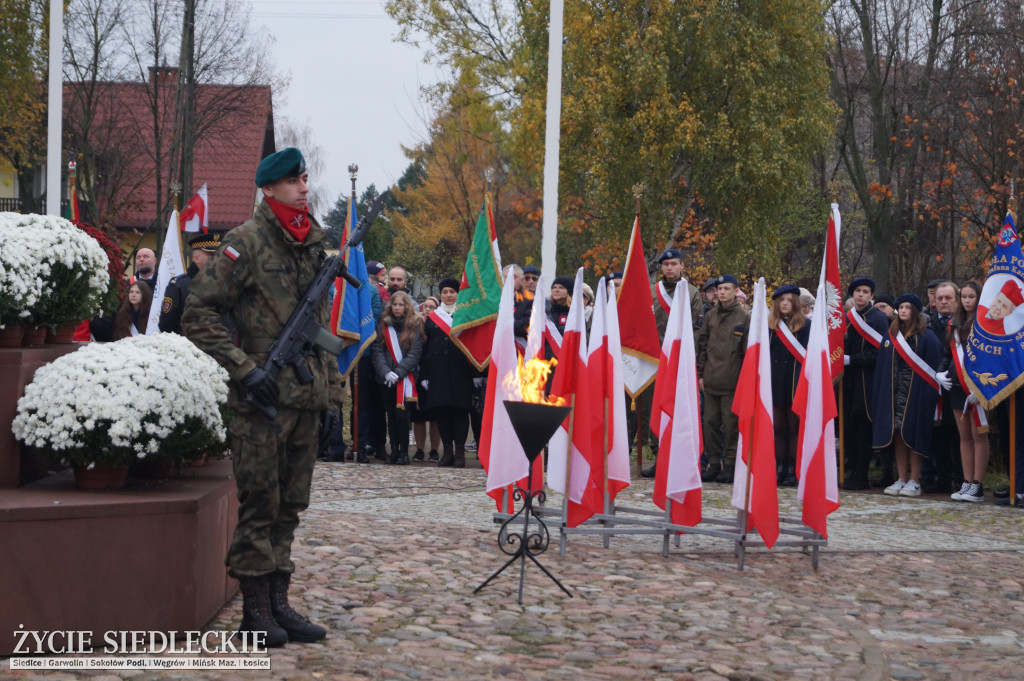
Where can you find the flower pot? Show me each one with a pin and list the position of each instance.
(156, 469)
(64, 334)
(33, 336)
(101, 476)
(11, 335)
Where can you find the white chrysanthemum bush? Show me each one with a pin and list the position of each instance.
(147, 397)
(51, 272)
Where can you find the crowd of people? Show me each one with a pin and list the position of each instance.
(416, 389)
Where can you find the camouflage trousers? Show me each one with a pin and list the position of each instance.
(273, 466)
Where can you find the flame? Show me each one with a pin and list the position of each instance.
(528, 381)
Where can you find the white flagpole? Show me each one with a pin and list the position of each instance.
(551, 141)
(55, 108)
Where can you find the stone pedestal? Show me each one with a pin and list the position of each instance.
(149, 557)
(17, 367)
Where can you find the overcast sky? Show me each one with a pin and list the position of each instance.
(350, 82)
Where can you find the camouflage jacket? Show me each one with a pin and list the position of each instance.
(257, 277)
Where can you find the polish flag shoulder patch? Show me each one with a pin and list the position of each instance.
(231, 252)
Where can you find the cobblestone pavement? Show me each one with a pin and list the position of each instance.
(388, 558)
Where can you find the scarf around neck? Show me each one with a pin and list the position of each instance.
(294, 220)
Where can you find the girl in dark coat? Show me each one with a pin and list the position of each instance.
(904, 402)
(400, 316)
(787, 313)
(447, 378)
(423, 414)
(133, 316)
(973, 437)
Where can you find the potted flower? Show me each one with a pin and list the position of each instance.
(109, 405)
(61, 271)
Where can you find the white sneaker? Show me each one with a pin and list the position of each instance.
(911, 489)
(894, 488)
(959, 496)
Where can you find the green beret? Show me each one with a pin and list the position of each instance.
(285, 163)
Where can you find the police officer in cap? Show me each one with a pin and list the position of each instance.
(203, 246)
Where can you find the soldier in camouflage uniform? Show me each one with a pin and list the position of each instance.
(258, 277)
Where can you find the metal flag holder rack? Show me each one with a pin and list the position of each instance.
(632, 520)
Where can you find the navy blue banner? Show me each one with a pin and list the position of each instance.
(994, 356)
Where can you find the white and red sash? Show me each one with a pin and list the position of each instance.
(790, 342)
(920, 368)
(863, 328)
(553, 336)
(406, 388)
(975, 410)
(442, 319)
(664, 299)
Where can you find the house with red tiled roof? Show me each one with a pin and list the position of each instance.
(130, 135)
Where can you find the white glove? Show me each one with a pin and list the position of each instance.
(971, 399)
(477, 382)
(944, 380)
(425, 384)
(846, 360)
(390, 378)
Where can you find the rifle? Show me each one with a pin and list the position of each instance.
(303, 334)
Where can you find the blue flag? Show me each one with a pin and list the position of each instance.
(352, 311)
(994, 356)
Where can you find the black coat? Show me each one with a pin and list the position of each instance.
(859, 376)
(174, 302)
(919, 416)
(381, 358)
(447, 371)
(785, 367)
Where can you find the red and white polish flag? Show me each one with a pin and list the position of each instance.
(500, 451)
(753, 407)
(196, 215)
(570, 467)
(816, 449)
(675, 416)
(635, 307)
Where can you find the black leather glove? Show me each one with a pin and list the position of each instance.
(262, 388)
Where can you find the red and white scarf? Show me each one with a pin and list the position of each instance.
(862, 327)
(406, 388)
(920, 368)
(975, 410)
(664, 299)
(790, 342)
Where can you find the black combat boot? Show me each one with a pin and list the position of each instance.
(726, 475)
(448, 458)
(298, 628)
(711, 472)
(460, 456)
(256, 611)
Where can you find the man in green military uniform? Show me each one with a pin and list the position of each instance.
(203, 247)
(721, 343)
(258, 277)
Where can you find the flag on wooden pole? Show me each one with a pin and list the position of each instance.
(477, 307)
(640, 349)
